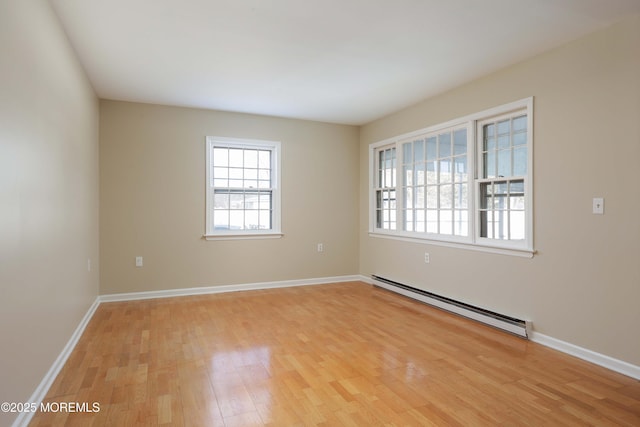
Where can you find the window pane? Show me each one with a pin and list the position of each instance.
(520, 123)
(420, 173)
(446, 196)
(504, 127)
(444, 140)
(220, 172)
(460, 169)
(264, 175)
(486, 196)
(516, 203)
(517, 225)
(408, 198)
(407, 152)
(251, 201)
(432, 176)
(235, 158)
(418, 147)
(501, 224)
(236, 173)
(251, 174)
(265, 201)
(237, 201)
(503, 142)
(446, 222)
(504, 163)
(251, 219)
(489, 144)
(489, 164)
(220, 182)
(221, 220)
(520, 161)
(387, 178)
(460, 142)
(432, 221)
(419, 199)
(265, 220)
(460, 196)
(251, 159)
(420, 220)
(500, 196)
(490, 130)
(408, 175)
(236, 220)
(432, 196)
(432, 151)
(264, 159)
(486, 225)
(516, 187)
(460, 223)
(445, 171)
(408, 220)
(220, 156)
(519, 138)
(221, 201)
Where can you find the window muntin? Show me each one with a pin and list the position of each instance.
(242, 187)
(466, 181)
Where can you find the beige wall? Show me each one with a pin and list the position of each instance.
(583, 286)
(48, 196)
(152, 200)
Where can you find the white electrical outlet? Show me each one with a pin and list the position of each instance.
(427, 258)
(320, 247)
(138, 261)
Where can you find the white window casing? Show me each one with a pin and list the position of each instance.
(457, 183)
(242, 189)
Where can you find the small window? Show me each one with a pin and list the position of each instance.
(242, 196)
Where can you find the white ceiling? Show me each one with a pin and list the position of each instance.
(341, 61)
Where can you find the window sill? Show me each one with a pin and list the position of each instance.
(523, 253)
(243, 236)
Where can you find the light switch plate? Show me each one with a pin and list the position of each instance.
(598, 205)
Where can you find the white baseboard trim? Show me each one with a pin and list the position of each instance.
(132, 296)
(616, 365)
(24, 418)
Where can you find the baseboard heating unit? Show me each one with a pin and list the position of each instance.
(515, 326)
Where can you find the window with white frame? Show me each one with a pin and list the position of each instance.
(386, 188)
(242, 197)
(467, 181)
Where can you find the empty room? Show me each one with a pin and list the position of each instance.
(298, 213)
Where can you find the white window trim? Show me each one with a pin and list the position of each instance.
(276, 231)
(473, 241)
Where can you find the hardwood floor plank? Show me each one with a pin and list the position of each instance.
(336, 354)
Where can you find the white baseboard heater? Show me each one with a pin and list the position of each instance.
(515, 326)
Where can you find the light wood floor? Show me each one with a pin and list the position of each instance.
(329, 355)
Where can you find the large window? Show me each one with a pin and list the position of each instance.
(467, 181)
(242, 188)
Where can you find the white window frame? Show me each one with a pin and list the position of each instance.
(253, 144)
(473, 240)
